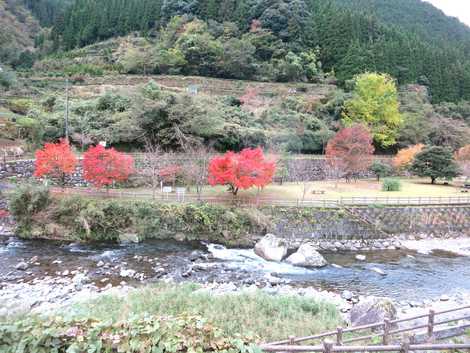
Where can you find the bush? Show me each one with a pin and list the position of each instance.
(7, 78)
(84, 69)
(104, 220)
(252, 314)
(26, 202)
(391, 185)
(145, 334)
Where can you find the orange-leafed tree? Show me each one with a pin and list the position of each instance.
(405, 156)
(55, 160)
(242, 170)
(350, 151)
(103, 167)
(462, 156)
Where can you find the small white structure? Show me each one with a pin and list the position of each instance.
(180, 193)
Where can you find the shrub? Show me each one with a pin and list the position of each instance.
(144, 333)
(26, 202)
(390, 184)
(7, 78)
(84, 69)
(104, 220)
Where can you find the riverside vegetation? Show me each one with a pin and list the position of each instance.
(169, 318)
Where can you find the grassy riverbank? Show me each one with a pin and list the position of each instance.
(39, 215)
(169, 318)
(250, 314)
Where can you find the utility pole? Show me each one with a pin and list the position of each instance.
(67, 110)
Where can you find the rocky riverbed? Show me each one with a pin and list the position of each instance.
(41, 276)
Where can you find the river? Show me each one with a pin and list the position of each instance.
(408, 275)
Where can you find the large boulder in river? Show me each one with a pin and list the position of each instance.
(271, 248)
(307, 256)
(372, 310)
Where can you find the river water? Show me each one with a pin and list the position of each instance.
(408, 275)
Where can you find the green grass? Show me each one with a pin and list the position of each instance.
(258, 314)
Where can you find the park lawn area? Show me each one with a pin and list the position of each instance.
(411, 187)
(361, 188)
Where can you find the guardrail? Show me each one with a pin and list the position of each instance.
(387, 334)
(260, 201)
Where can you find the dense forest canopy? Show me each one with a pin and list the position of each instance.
(408, 39)
(331, 56)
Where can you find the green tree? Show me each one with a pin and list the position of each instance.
(435, 162)
(380, 169)
(375, 104)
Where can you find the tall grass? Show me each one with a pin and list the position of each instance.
(259, 314)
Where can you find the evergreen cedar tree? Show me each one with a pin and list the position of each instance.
(405, 156)
(350, 150)
(103, 167)
(435, 162)
(241, 170)
(55, 160)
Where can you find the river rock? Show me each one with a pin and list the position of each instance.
(347, 295)
(22, 266)
(372, 310)
(127, 273)
(129, 238)
(361, 257)
(307, 256)
(271, 248)
(378, 270)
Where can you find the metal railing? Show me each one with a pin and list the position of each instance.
(266, 201)
(387, 334)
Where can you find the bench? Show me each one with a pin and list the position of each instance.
(318, 192)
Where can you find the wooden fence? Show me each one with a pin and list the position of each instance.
(260, 201)
(338, 340)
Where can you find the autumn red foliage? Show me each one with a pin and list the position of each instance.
(55, 160)
(103, 167)
(170, 174)
(242, 170)
(350, 150)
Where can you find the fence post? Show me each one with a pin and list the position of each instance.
(386, 331)
(405, 346)
(291, 340)
(327, 346)
(432, 315)
(339, 336)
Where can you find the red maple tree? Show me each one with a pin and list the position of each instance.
(350, 150)
(55, 160)
(103, 167)
(241, 170)
(170, 174)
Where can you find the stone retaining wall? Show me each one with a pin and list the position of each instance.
(298, 170)
(368, 228)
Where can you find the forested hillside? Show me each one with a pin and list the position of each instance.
(411, 40)
(17, 31)
(291, 69)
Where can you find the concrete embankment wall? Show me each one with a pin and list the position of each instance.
(369, 224)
